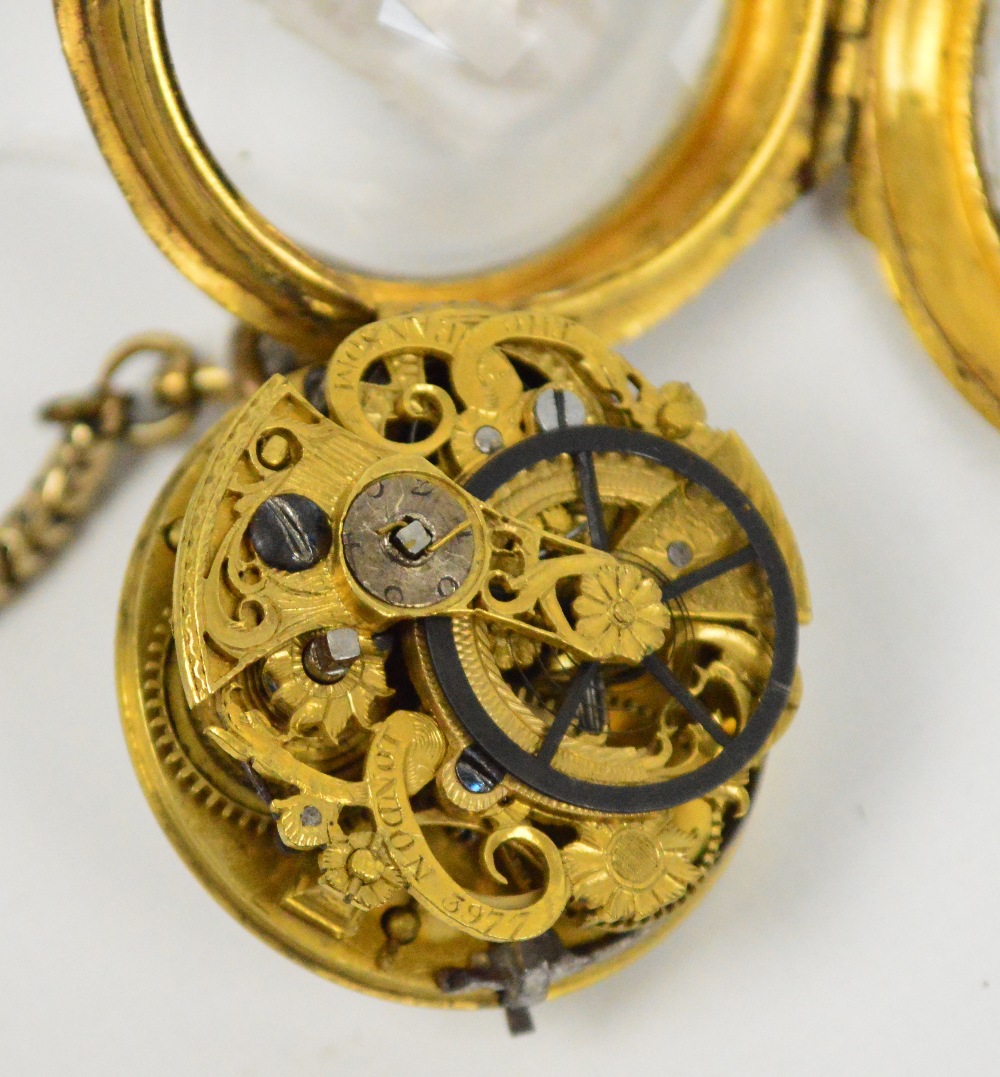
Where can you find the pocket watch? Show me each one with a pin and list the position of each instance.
(450, 658)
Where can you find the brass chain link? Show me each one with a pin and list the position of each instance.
(97, 427)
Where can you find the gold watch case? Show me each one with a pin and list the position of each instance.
(797, 87)
(734, 167)
(919, 188)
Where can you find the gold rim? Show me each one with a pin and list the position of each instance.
(921, 194)
(706, 194)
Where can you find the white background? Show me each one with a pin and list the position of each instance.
(856, 931)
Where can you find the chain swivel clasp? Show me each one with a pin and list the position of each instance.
(179, 387)
(97, 425)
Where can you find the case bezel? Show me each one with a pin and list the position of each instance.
(736, 165)
(920, 193)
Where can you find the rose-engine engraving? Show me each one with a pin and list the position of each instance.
(491, 633)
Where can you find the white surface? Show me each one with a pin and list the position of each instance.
(856, 931)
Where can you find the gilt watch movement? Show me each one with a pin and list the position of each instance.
(492, 634)
(451, 655)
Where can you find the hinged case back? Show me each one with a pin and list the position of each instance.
(920, 191)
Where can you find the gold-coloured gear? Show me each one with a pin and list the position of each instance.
(400, 809)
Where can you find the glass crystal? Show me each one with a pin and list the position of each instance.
(437, 136)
